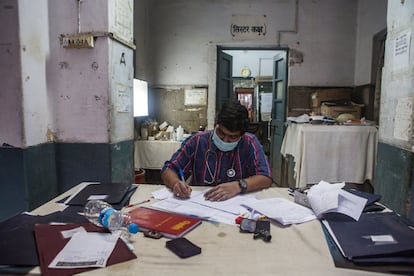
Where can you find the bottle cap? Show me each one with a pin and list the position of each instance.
(133, 228)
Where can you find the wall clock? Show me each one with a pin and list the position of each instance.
(245, 72)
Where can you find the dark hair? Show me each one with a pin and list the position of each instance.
(233, 116)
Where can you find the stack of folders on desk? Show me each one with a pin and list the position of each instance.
(376, 239)
(116, 194)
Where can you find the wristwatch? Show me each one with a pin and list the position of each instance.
(243, 186)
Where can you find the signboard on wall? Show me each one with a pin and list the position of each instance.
(248, 27)
(195, 96)
(121, 18)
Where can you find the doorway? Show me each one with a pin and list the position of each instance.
(257, 77)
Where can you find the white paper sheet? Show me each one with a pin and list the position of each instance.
(216, 211)
(325, 197)
(282, 210)
(85, 250)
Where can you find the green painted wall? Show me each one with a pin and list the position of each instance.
(393, 178)
(32, 176)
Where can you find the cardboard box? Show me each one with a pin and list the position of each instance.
(330, 95)
(336, 110)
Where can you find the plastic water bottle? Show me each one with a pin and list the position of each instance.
(103, 214)
(180, 133)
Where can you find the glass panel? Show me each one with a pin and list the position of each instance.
(279, 90)
(246, 100)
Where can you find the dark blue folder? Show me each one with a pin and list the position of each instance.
(354, 238)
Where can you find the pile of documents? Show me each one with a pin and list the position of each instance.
(378, 241)
(64, 242)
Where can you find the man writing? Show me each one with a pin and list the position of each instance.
(228, 158)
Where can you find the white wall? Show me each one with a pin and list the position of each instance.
(260, 62)
(181, 33)
(91, 88)
(371, 19)
(11, 116)
(396, 121)
(180, 44)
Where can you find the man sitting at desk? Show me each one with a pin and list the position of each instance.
(228, 158)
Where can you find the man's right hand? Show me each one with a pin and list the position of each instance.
(181, 190)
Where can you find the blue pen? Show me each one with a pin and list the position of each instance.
(182, 175)
(182, 179)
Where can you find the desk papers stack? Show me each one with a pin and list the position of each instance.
(282, 210)
(376, 239)
(326, 198)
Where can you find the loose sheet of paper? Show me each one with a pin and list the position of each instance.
(282, 210)
(326, 197)
(197, 205)
(85, 250)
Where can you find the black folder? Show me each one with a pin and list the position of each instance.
(115, 193)
(17, 242)
(353, 237)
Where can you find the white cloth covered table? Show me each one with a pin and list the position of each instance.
(333, 153)
(152, 154)
(300, 249)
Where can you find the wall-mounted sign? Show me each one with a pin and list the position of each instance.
(248, 27)
(402, 50)
(196, 96)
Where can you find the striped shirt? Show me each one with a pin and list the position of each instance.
(199, 156)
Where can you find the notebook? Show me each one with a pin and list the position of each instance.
(170, 225)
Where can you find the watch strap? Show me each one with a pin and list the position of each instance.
(243, 186)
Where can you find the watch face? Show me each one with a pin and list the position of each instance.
(243, 186)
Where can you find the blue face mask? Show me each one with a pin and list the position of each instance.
(223, 146)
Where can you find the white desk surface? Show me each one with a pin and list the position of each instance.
(333, 153)
(152, 154)
(295, 250)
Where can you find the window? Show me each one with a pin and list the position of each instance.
(140, 89)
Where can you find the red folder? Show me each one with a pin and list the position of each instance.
(171, 225)
(50, 242)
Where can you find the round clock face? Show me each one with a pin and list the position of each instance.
(245, 72)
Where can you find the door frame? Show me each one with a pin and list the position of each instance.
(220, 48)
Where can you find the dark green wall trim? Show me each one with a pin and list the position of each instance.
(122, 154)
(13, 196)
(79, 162)
(393, 178)
(27, 178)
(32, 176)
(40, 174)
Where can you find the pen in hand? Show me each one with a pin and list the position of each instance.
(185, 189)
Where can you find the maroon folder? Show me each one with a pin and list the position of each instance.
(49, 242)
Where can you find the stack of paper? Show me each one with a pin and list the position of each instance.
(282, 210)
(326, 198)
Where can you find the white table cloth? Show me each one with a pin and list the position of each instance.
(333, 153)
(152, 154)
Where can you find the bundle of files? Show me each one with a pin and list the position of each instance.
(30, 240)
(378, 241)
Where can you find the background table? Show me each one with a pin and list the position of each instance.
(294, 250)
(152, 154)
(333, 153)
